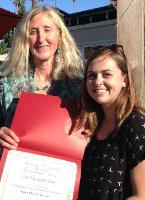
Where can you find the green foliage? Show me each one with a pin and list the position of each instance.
(6, 42)
(20, 6)
(3, 48)
(8, 38)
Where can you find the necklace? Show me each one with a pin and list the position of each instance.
(44, 87)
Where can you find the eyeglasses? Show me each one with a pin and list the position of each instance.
(112, 46)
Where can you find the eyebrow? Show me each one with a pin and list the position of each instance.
(106, 70)
(45, 26)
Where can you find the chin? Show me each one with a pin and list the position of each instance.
(103, 102)
(43, 59)
(100, 101)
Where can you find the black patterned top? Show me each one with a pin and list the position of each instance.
(107, 163)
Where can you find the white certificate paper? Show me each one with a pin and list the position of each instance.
(28, 176)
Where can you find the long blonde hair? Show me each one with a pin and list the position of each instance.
(67, 64)
(92, 113)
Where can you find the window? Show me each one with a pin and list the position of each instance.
(99, 17)
(84, 20)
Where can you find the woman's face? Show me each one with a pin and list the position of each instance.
(43, 37)
(104, 80)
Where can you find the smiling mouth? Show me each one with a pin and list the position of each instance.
(41, 47)
(100, 91)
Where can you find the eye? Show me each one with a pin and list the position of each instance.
(91, 76)
(33, 32)
(107, 75)
(47, 30)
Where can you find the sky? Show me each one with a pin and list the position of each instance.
(65, 5)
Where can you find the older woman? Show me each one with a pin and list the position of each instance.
(43, 59)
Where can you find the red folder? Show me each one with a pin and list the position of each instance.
(43, 124)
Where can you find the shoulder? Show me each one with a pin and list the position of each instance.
(135, 125)
(12, 87)
(67, 88)
(16, 85)
(136, 120)
(9, 84)
(134, 133)
(74, 81)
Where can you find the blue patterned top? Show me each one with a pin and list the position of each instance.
(10, 90)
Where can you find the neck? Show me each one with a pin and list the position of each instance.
(108, 124)
(109, 114)
(43, 70)
(42, 75)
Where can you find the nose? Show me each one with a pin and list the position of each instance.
(41, 36)
(99, 80)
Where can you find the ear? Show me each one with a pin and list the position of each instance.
(125, 81)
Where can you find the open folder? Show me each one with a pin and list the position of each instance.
(47, 163)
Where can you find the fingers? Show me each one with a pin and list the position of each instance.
(8, 138)
(8, 132)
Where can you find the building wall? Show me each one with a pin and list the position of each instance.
(93, 34)
(130, 33)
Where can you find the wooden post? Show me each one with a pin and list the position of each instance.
(34, 3)
(131, 34)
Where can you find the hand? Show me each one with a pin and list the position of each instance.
(8, 138)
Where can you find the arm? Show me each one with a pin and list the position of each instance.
(136, 154)
(8, 138)
(137, 175)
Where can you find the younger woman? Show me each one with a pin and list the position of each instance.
(113, 166)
